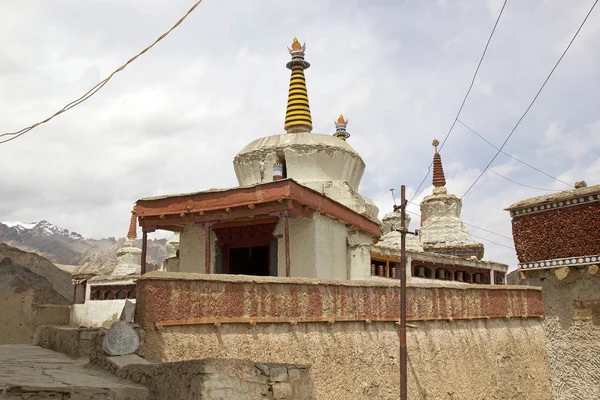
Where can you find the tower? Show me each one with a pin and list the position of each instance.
(297, 115)
(442, 230)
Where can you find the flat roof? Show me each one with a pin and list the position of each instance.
(171, 212)
(553, 197)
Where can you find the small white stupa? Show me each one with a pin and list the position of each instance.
(129, 255)
(442, 230)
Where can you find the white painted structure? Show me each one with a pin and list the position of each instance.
(321, 162)
(100, 313)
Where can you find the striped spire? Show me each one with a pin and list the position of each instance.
(439, 180)
(132, 234)
(297, 115)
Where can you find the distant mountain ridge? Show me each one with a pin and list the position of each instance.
(65, 247)
(42, 228)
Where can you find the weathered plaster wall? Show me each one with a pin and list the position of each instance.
(572, 322)
(191, 249)
(359, 256)
(330, 248)
(16, 325)
(464, 345)
(308, 156)
(557, 233)
(97, 313)
(303, 258)
(100, 313)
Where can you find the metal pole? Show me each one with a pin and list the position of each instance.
(403, 383)
(144, 251)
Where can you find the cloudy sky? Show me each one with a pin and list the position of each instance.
(173, 121)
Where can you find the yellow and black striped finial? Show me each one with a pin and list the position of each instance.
(297, 115)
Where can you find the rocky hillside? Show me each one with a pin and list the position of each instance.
(67, 248)
(30, 265)
(29, 285)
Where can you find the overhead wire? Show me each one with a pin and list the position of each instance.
(522, 184)
(466, 96)
(527, 110)
(100, 84)
(532, 101)
(514, 158)
(474, 226)
(475, 236)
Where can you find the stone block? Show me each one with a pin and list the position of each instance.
(278, 374)
(128, 312)
(263, 368)
(121, 339)
(282, 390)
(293, 374)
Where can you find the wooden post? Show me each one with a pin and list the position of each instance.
(403, 230)
(144, 251)
(286, 224)
(207, 255)
(75, 293)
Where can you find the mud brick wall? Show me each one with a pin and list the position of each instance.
(557, 233)
(346, 332)
(173, 299)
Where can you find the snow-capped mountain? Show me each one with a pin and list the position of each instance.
(43, 228)
(65, 247)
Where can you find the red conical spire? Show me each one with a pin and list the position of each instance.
(132, 234)
(439, 180)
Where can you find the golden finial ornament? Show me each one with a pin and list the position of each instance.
(340, 128)
(435, 144)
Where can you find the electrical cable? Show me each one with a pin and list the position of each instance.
(521, 184)
(475, 236)
(475, 226)
(514, 158)
(526, 111)
(465, 98)
(99, 85)
(532, 101)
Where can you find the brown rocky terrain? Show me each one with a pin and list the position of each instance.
(70, 250)
(28, 283)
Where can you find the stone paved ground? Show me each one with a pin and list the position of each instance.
(31, 372)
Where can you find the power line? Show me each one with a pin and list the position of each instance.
(99, 85)
(532, 101)
(514, 158)
(475, 236)
(527, 110)
(521, 184)
(465, 98)
(476, 227)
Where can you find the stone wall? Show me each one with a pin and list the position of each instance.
(477, 343)
(210, 379)
(75, 342)
(557, 233)
(21, 317)
(572, 323)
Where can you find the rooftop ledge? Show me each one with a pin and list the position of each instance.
(553, 197)
(181, 276)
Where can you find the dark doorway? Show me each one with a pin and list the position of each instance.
(249, 260)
